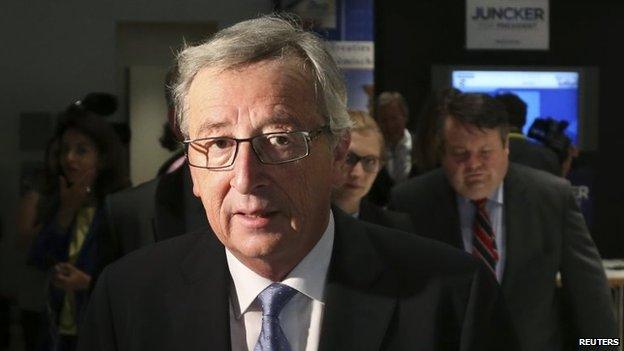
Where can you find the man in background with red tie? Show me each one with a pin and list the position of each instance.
(523, 224)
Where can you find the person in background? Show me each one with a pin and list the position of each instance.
(521, 149)
(426, 144)
(90, 166)
(171, 138)
(262, 107)
(523, 224)
(31, 209)
(392, 114)
(363, 162)
(159, 208)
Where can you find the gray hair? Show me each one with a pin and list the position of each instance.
(388, 97)
(268, 37)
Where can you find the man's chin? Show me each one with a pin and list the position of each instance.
(260, 246)
(474, 191)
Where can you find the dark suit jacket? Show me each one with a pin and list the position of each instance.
(372, 213)
(523, 151)
(153, 211)
(386, 290)
(545, 234)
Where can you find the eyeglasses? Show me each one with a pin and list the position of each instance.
(270, 148)
(370, 163)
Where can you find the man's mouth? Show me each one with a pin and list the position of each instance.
(255, 219)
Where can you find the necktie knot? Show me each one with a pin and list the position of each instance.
(480, 203)
(274, 298)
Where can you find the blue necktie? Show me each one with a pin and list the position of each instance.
(273, 299)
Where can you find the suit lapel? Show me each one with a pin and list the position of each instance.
(360, 296)
(207, 291)
(518, 224)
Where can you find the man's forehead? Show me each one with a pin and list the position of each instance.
(287, 121)
(270, 93)
(391, 109)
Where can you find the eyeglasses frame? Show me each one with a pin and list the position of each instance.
(308, 135)
(380, 162)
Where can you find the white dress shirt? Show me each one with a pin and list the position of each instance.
(494, 207)
(302, 316)
(399, 158)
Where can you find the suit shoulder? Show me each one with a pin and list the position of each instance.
(414, 253)
(422, 181)
(538, 178)
(156, 258)
(427, 183)
(136, 192)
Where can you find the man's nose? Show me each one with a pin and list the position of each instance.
(473, 161)
(248, 171)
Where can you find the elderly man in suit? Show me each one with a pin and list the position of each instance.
(262, 108)
(522, 223)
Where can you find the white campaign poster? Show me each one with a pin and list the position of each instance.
(507, 24)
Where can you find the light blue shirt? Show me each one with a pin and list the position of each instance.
(494, 206)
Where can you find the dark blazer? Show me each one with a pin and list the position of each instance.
(153, 211)
(386, 290)
(545, 234)
(50, 247)
(372, 213)
(528, 153)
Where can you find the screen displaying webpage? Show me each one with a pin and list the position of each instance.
(547, 93)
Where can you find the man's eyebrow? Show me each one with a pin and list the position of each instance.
(212, 126)
(284, 121)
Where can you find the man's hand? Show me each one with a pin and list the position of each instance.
(70, 278)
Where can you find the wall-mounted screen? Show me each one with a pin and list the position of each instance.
(562, 93)
(547, 94)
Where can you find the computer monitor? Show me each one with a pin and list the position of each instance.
(562, 93)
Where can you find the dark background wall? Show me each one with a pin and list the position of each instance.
(410, 36)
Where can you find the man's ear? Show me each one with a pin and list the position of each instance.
(196, 190)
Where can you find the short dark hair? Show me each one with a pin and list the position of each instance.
(479, 110)
(427, 141)
(516, 109)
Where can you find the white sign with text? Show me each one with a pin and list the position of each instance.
(353, 54)
(507, 24)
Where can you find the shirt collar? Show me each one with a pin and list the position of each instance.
(308, 277)
(496, 196)
(404, 143)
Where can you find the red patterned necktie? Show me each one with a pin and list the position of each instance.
(483, 239)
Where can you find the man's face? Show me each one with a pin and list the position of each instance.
(392, 121)
(475, 160)
(264, 214)
(359, 181)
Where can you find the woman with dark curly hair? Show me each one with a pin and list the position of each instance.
(91, 166)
